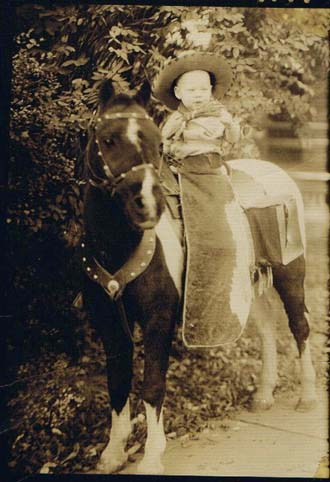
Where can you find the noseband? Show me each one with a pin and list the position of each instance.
(112, 181)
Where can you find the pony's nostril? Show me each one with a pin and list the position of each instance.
(139, 202)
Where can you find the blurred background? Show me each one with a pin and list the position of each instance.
(58, 409)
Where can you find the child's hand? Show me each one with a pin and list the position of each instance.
(233, 131)
(225, 117)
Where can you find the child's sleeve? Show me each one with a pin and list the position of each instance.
(169, 131)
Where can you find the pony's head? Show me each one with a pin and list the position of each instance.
(123, 155)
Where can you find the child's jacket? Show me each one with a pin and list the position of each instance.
(203, 131)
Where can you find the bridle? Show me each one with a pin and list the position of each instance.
(111, 181)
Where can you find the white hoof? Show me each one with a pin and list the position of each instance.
(151, 467)
(263, 398)
(306, 405)
(109, 464)
(262, 404)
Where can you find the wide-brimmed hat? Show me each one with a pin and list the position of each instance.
(186, 62)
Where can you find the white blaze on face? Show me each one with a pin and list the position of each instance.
(147, 195)
(148, 198)
(132, 133)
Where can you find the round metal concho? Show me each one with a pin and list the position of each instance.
(113, 286)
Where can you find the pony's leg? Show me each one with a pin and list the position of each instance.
(119, 354)
(289, 282)
(157, 342)
(114, 456)
(261, 309)
(156, 442)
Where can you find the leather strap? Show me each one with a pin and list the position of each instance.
(114, 284)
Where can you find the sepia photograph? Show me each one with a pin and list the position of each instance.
(166, 295)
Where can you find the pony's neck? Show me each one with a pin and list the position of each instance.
(109, 235)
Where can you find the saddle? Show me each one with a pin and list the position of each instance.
(272, 220)
(233, 230)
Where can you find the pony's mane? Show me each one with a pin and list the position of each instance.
(123, 100)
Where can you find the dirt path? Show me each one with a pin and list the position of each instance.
(279, 442)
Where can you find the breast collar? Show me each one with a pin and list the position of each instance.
(115, 283)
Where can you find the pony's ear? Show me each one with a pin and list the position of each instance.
(144, 94)
(106, 92)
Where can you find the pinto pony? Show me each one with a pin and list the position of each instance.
(134, 265)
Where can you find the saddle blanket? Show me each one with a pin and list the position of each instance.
(232, 225)
(274, 209)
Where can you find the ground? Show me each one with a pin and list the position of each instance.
(279, 442)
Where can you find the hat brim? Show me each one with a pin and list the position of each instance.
(214, 64)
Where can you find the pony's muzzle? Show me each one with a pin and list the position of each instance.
(146, 210)
(139, 203)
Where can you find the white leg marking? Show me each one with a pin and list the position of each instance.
(172, 248)
(155, 444)
(132, 133)
(261, 313)
(241, 290)
(307, 375)
(114, 455)
(148, 198)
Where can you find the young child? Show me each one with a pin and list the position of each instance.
(200, 125)
(196, 137)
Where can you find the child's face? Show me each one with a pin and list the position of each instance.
(193, 88)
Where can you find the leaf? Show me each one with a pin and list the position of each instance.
(92, 452)
(237, 28)
(82, 60)
(77, 63)
(45, 469)
(236, 52)
(136, 447)
(18, 438)
(115, 31)
(73, 454)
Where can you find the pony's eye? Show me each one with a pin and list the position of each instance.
(109, 142)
